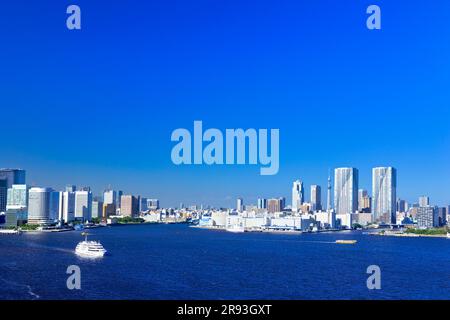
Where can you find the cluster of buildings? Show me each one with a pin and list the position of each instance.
(20, 203)
(348, 206)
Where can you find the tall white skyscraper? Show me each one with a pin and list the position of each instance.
(298, 195)
(346, 190)
(316, 197)
(384, 196)
(39, 206)
(109, 197)
(239, 205)
(66, 206)
(83, 205)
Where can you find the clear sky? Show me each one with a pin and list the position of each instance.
(97, 106)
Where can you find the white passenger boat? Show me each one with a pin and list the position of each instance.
(92, 249)
(235, 229)
(448, 235)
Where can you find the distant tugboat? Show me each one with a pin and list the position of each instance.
(92, 249)
(346, 241)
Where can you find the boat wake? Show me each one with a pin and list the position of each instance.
(19, 285)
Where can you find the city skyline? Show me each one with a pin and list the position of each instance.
(299, 189)
(99, 108)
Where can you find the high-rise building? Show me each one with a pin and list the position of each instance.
(274, 205)
(384, 194)
(298, 195)
(119, 199)
(97, 209)
(109, 197)
(424, 201)
(8, 177)
(316, 198)
(346, 190)
(17, 196)
(427, 217)
(83, 205)
(442, 216)
(262, 203)
(129, 206)
(143, 204)
(153, 204)
(39, 203)
(240, 204)
(67, 206)
(401, 206)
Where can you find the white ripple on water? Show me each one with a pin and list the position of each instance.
(20, 285)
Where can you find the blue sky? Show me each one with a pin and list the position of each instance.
(97, 106)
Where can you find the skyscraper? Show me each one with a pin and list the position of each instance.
(424, 201)
(129, 206)
(346, 190)
(17, 196)
(274, 205)
(8, 177)
(39, 206)
(298, 195)
(329, 208)
(316, 197)
(67, 205)
(364, 201)
(384, 194)
(83, 205)
(109, 197)
(152, 204)
(262, 203)
(239, 205)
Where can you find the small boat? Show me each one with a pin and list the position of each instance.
(448, 235)
(235, 229)
(92, 249)
(346, 241)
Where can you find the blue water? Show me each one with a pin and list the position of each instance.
(178, 262)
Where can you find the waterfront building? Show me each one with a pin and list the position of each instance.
(316, 197)
(109, 209)
(298, 195)
(327, 219)
(427, 217)
(39, 206)
(109, 197)
(17, 196)
(345, 220)
(239, 205)
(262, 203)
(345, 190)
(119, 199)
(424, 201)
(274, 205)
(153, 204)
(384, 194)
(143, 204)
(129, 206)
(97, 209)
(364, 201)
(67, 205)
(329, 201)
(401, 206)
(54, 205)
(83, 205)
(8, 177)
(442, 216)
